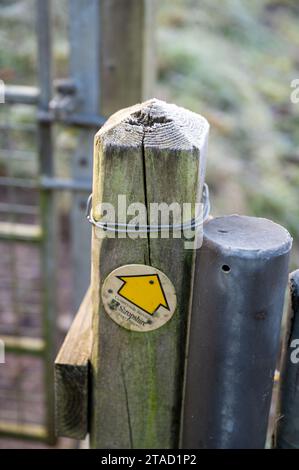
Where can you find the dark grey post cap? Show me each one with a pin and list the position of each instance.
(247, 236)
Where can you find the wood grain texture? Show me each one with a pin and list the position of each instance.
(72, 375)
(152, 152)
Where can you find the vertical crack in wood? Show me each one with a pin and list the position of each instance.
(127, 405)
(145, 196)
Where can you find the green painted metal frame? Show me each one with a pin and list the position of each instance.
(84, 33)
(44, 235)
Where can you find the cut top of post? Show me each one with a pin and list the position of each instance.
(156, 123)
(249, 236)
(157, 144)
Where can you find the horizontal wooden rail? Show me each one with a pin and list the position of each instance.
(71, 376)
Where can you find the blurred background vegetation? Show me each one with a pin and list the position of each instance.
(233, 62)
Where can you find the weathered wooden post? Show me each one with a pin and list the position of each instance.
(287, 433)
(239, 284)
(150, 153)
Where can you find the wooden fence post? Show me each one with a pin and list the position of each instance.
(153, 152)
(130, 383)
(287, 432)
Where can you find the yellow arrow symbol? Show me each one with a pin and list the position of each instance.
(145, 291)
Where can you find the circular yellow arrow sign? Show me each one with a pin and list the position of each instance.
(139, 297)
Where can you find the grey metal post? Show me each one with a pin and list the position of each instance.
(84, 34)
(288, 421)
(240, 279)
(47, 205)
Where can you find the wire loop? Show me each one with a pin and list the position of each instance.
(124, 228)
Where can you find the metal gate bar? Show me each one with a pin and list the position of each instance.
(44, 233)
(47, 209)
(84, 33)
(84, 38)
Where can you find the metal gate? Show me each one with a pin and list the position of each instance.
(72, 102)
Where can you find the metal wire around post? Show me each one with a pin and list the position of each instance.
(124, 228)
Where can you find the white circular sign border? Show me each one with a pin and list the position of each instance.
(120, 309)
